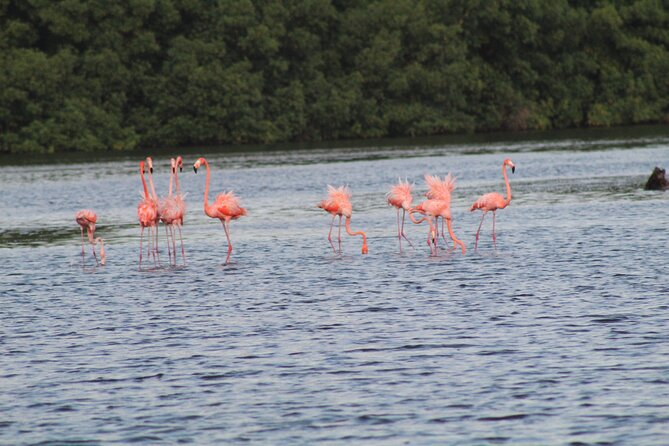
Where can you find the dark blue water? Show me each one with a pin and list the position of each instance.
(557, 337)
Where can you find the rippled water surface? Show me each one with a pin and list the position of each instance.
(557, 337)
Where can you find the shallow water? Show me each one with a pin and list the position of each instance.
(557, 337)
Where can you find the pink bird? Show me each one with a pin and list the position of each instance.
(225, 208)
(400, 197)
(438, 205)
(338, 203)
(169, 214)
(154, 197)
(147, 213)
(87, 219)
(494, 201)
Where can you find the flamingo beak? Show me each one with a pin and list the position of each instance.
(181, 168)
(513, 169)
(151, 169)
(195, 169)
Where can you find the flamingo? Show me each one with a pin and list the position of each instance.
(438, 205)
(167, 209)
(494, 201)
(400, 197)
(149, 162)
(147, 213)
(225, 208)
(338, 203)
(180, 205)
(87, 219)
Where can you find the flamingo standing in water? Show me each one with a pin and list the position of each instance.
(167, 212)
(338, 203)
(400, 197)
(87, 219)
(494, 201)
(180, 205)
(225, 208)
(438, 205)
(149, 163)
(147, 213)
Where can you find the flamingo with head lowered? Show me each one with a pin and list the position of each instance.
(494, 201)
(338, 203)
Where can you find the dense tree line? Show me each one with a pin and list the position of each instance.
(98, 75)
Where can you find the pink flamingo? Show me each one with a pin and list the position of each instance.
(494, 201)
(180, 205)
(167, 210)
(400, 197)
(438, 205)
(147, 213)
(338, 203)
(154, 197)
(225, 208)
(87, 219)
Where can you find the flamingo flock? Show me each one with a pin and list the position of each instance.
(171, 209)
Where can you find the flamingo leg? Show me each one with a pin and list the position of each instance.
(183, 252)
(477, 232)
(494, 237)
(339, 235)
(430, 237)
(443, 234)
(399, 229)
(155, 246)
(82, 245)
(227, 234)
(404, 212)
(169, 248)
(330, 234)
(174, 243)
(141, 236)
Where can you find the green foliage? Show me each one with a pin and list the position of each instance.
(80, 75)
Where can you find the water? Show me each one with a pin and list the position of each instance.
(557, 337)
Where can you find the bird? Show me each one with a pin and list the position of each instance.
(180, 204)
(400, 197)
(338, 203)
(168, 210)
(87, 220)
(225, 208)
(494, 201)
(147, 214)
(438, 205)
(149, 163)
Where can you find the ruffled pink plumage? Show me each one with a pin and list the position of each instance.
(338, 201)
(439, 189)
(147, 212)
(400, 195)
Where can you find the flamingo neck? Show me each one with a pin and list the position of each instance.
(508, 186)
(153, 189)
(172, 173)
(176, 181)
(146, 191)
(364, 236)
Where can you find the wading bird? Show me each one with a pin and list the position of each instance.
(494, 201)
(400, 197)
(338, 203)
(438, 205)
(225, 208)
(87, 219)
(147, 214)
